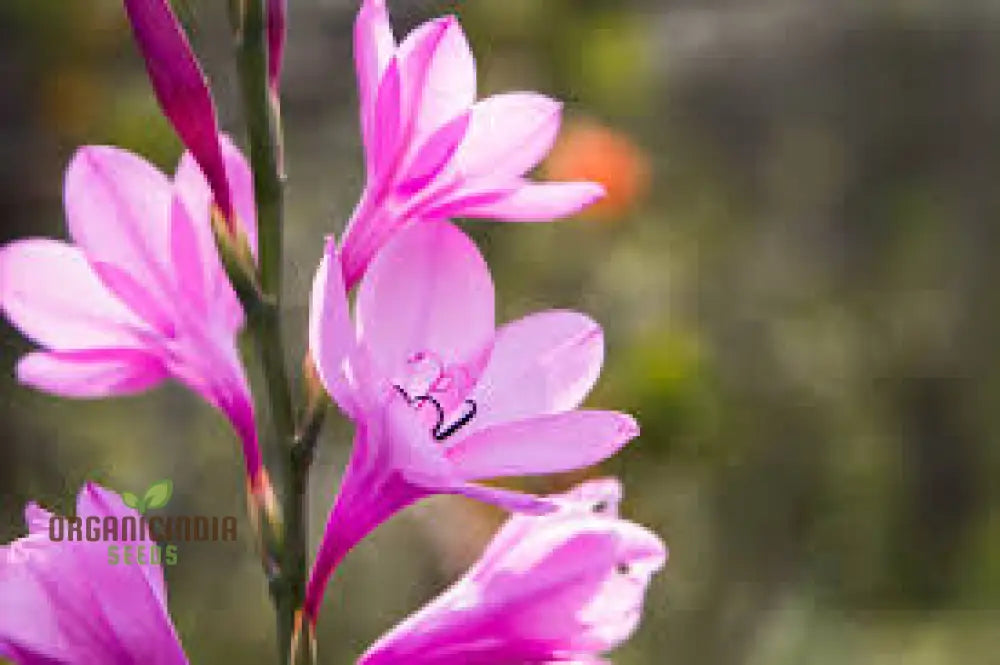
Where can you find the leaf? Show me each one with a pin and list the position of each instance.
(130, 500)
(159, 494)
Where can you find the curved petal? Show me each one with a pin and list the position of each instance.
(117, 209)
(439, 75)
(331, 335)
(197, 269)
(91, 374)
(449, 85)
(597, 498)
(49, 292)
(509, 500)
(191, 188)
(542, 363)
(544, 444)
(509, 134)
(96, 501)
(374, 46)
(537, 202)
(587, 583)
(241, 185)
(428, 291)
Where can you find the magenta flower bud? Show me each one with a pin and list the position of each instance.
(64, 601)
(433, 151)
(440, 397)
(182, 90)
(139, 295)
(561, 588)
(277, 18)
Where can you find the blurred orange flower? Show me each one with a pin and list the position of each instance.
(587, 150)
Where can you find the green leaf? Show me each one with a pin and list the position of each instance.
(131, 500)
(159, 494)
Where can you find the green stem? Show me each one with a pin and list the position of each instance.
(265, 144)
(292, 449)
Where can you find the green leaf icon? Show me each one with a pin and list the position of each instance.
(158, 494)
(131, 500)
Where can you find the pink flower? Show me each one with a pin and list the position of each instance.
(560, 588)
(433, 151)
(440, 398)
(64, 603)
(139, 295)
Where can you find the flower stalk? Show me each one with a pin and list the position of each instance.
(291, 446)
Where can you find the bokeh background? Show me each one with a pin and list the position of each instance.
(796, 271)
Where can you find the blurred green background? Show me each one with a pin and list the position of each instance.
(796, 273)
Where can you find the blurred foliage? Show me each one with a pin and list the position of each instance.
(799, 304)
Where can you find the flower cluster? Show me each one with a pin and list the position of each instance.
(157, 282)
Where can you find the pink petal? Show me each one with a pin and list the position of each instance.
(544, 444)
(196, 265)
(62, 601)
(196, 276)
(382, 145)
(429, 290)
(191, 187)
(587, 584)
(509, 500)
(509, 135)
(160, 313)
(434, 155)
(96, 501)
(52, 295)
(240, 179)
(597, 498)
(91, 374)
(374, 45)
(180, 87)
(440, 73)
(542, 363)
(36, 518)
(331, 334)
(540, 202)
(117, 210)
